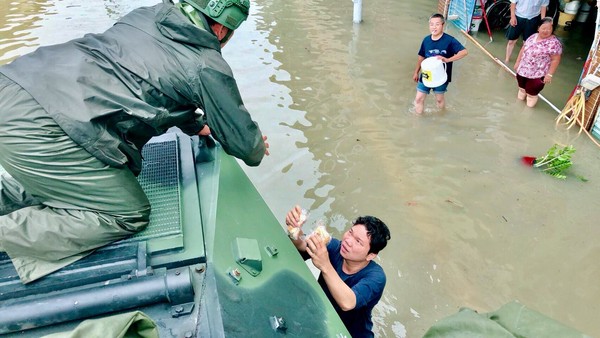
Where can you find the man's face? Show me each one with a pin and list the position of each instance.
(356, 244)
(436, 26)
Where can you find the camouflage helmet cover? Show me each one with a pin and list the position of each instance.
(229, 13)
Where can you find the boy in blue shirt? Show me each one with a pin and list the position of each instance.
(350, 278)
(446, 48)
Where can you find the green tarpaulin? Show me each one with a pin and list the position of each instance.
(512, 320)
(127, 325)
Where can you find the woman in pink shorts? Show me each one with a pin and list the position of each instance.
(537, 61)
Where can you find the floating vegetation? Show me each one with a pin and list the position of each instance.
(556, 161)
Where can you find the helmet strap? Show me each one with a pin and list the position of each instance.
(227, 36)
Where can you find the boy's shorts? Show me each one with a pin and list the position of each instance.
(437, 90)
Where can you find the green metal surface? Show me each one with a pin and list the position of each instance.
(169, 180)
(160, 181)
(189, 224)
(285, 288)
(171, 185)
(247, 254)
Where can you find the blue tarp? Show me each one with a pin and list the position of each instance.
(464, 10)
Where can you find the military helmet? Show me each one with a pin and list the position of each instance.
(229, 13)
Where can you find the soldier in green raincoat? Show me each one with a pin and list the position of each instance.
(75, 116)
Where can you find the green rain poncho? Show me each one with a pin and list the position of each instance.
(74, 117)
(112, 92)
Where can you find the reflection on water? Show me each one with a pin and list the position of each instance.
(25, 25)
(470, 225)
(17, 20)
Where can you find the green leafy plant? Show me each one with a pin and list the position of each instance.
(556, 161)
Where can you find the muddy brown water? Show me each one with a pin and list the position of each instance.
(471, 227)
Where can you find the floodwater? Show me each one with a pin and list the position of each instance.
(471, 227)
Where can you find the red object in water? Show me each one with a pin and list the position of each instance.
(528, 160)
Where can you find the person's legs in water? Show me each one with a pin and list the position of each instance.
(533, 88)
(522, 83)
(422, 92)
(532, 100)
(512, 35)
(440, 99)
(510, 46)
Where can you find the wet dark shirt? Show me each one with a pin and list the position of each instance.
(446, 46)
(367, 284)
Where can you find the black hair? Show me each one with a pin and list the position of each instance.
(438, 16)
(377, 231)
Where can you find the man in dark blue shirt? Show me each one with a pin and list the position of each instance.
(352, 281)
